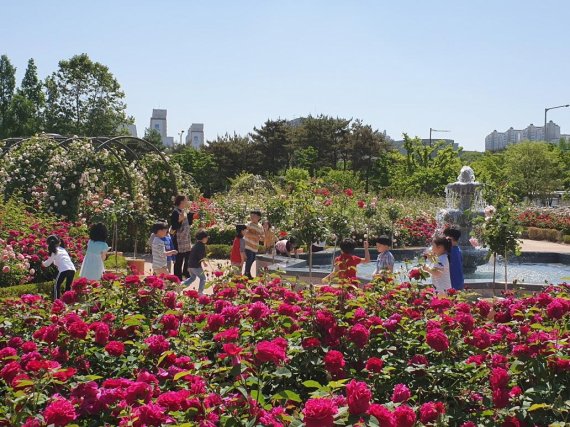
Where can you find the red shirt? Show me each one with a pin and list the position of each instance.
(235, 255)
(347, 266)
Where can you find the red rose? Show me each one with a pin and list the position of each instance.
(359, 335)
(169, 322)
(348, 192)
(151, 415)
(334, 362)
(501, 397)
(437, 340)
(78, 329)
(405, 416)
(157, 344)
(311, 342)
(102, 332)
(499, 378)
(401, 393)
(115, 348)
(383, 415)
(511, 422)
(557, 308)
(270, 351)
(358, 395)
(469, 424)
(59, 413)
(361, 204)
(374, 364)
(430, 411)
(415, 274)
(319, 412)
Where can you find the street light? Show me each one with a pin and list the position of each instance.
(180, 135)
(435, 130)
(545, 112)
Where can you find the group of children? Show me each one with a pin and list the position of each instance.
(92, 267)
(445, 266)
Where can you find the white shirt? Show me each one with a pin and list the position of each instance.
(441, 278)
(159, 259)
(61, 260)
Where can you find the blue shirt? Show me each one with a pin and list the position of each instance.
(169, 246)
(456, 268)
(384, 261)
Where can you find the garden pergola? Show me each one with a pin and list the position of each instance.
(131, 148)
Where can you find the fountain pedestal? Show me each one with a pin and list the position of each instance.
(463, 203)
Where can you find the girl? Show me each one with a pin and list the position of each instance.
(269, 238)
(439, 268)
(286, 246)
(97, 248)
(237, 256)
(59, 256)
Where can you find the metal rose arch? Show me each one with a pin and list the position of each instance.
(132, 148)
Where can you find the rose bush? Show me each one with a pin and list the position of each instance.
(129, 351)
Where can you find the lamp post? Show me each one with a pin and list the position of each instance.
(435, 130)
(180, 135)
(546, 112)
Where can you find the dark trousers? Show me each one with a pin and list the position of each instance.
(181, 265)
(62, 276)
(249, 260)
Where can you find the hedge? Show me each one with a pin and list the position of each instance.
(218, 251)
(29, 288)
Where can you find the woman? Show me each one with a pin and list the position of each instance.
(269, 238)
(97, 248)
(180, 223)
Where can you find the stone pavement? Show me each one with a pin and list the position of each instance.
(544, 246)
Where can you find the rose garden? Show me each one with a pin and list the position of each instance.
(131, 350)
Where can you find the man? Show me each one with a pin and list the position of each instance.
(253, 235)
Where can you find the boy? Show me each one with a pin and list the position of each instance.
(197, 256)
(345, 264)
(455, 259)
(253, 235)
(385, 260)
(286, 246)
(159, 253)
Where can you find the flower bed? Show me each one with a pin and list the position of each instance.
(548, 218)
(23, 244)
(130, 352)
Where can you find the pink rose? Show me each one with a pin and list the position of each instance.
(401, 393)
(319, 412)
(358, 395)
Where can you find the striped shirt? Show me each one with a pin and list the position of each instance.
(253, 235)
(385, 261)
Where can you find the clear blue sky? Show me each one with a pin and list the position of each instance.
(403, 66)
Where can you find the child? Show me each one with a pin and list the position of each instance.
(97, 248)
(169, 245)
(66, 270)
(159, 253)
(269, 238)
(253, 235)
(197, 256)
(345, 264)
(286, 246)
(455, 259)
(385, 260)
(237, 256)
(439, 269)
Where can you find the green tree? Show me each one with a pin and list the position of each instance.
(306, 158)
(153, 136)
(84, 98)
(533, 169)
(201, 165)
(27, 105)
(424, 168)
(273, 141)
(365, 146)
(490, 169)
(233, 154)
(7, 86)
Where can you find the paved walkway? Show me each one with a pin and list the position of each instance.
(544, 246)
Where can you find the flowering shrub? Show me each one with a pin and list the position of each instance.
(23, 244)
(128, 351)
(558, 219)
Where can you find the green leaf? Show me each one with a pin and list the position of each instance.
(312, 384)
(538, 406)
(283, 372)
(181, 374)
(287, 395)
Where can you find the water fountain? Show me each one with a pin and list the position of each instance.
(463, 202)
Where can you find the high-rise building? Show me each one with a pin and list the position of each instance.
(497, 141)
(158, 123)
(195, 135)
